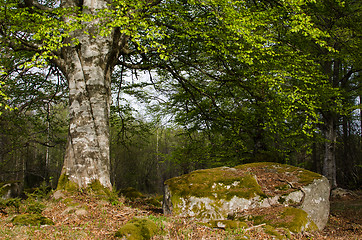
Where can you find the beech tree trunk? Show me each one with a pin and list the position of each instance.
(88, 67)
(87, 153)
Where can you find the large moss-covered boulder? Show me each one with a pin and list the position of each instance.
(301, 196)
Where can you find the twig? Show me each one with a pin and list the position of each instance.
(260, 225)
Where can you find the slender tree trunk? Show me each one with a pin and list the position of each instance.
(329, 161)
(360, 115)
(330, 128)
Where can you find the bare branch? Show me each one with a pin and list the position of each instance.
(34, 3)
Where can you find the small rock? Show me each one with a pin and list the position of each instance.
(58, 195)
(81, 212)
(340, 193)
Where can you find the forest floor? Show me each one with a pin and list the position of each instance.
(89, 217)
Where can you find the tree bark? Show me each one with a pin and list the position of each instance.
(329, 160)
(87, 67)
(87, 152)
(332, 69)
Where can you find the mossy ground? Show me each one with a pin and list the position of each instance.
(104, 219)
(131, 193)
(32, 219)
(138, 229)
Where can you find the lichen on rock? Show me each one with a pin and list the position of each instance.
(227, 224)
(215, 194)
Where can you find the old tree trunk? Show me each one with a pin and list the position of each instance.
(87, 67)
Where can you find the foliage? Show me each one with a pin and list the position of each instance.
(235, 81)
(244, 81)
(12, 203)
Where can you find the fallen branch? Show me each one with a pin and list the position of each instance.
(252, 227)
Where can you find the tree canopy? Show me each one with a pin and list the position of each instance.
(248, 73)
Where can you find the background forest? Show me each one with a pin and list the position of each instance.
(221, 111)
(151, 144)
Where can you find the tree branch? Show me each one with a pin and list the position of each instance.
(32, 3)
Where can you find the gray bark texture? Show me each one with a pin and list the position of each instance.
(87, 67)
(329, 161)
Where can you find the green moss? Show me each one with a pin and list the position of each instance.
(68, 201)
(217, 183)
(281, 199)
(131, 193)
(295, 220)
(35, 207)
(257, 219)
(283, 187)
(31, 219)
(97, 188)
(288, 219)
(138, 229)
(271, 231)
(65, 184)
(305, 177)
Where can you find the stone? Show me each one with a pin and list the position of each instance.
(10, 189)
(81, 212)
(251, 189)
(340, 193)
(58, 195)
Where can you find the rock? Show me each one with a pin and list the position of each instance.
(10, 189)
(81, 212)
(342, 194)
(251, 189)
(58, 195)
